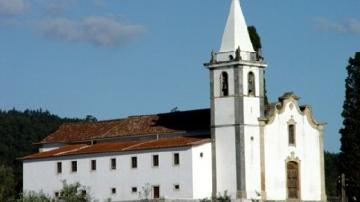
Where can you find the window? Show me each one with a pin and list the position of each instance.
(83, 192)
(113, 164)
(224, 81)
(291, 134)
(133, 189)
(155, 160)
(56, 195)
(176, 159)
(251, 84)
(134, 162)
(93, 165)
(73, 166)
(113, 190)
(59, 167)
(176, 187)
(156, 190)
(201, 154)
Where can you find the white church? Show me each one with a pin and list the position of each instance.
(240, 146)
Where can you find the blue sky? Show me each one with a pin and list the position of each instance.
(114, 58)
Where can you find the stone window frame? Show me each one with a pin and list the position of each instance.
(176, 160)
(93, 167)
(113, 190)
(293, 158)
(224, 80)
(134, 162)
(253, 86)
(73, 166)
(177, 187)
(59, 169)
(113, 164)
(153, 161)
(293, 123)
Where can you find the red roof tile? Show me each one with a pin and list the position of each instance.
(195, 120)
(120, 146)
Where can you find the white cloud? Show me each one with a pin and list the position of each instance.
(58, 6)
(97, 30)
(351, 25)
(12, 7)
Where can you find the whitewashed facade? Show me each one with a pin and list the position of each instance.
(253, 151)
(187, 180)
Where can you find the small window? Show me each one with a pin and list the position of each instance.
(113, 164)
(56, 195)
(176, 187)
(155, 160)
(251, 84)
(134, 162)
(176, 159)
(83, 192)
(224, 81)
(113, 190)
(59, 167)
(156, 190)
(292, 134)
(93, 165)
(73, 166)
(201, 154)
(133, 189)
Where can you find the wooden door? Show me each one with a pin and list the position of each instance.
(293, 180)
(156, 191)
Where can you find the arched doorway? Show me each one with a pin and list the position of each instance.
(293, 180)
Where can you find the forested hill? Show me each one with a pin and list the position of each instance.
(19, 130)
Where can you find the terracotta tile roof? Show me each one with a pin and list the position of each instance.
(120, 147)
(195, 120)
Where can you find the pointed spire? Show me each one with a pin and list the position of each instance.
(236, 33)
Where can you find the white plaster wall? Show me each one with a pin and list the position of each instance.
(277, 150)
(226, 160)
(217, 81)
(251, 110)
(252, 162)
(224, 111)
(41, 175)
(202, 171)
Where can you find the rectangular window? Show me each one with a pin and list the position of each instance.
(113, 164)
(133, 189)
(73, 166)
(93, 165)
(155, 160)
(113, 190)
(134, 162)
(291, 134)
(176, 187)
(156, 190)
(59, 167)
(176, 159)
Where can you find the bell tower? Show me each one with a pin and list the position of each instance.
(237, 101)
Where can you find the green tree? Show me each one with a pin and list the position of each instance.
(256, 41)
(331, 173)
(349, 162)
(19, 130)
(34, 197)
(74, 193)
(255, 38)
(7, 183)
